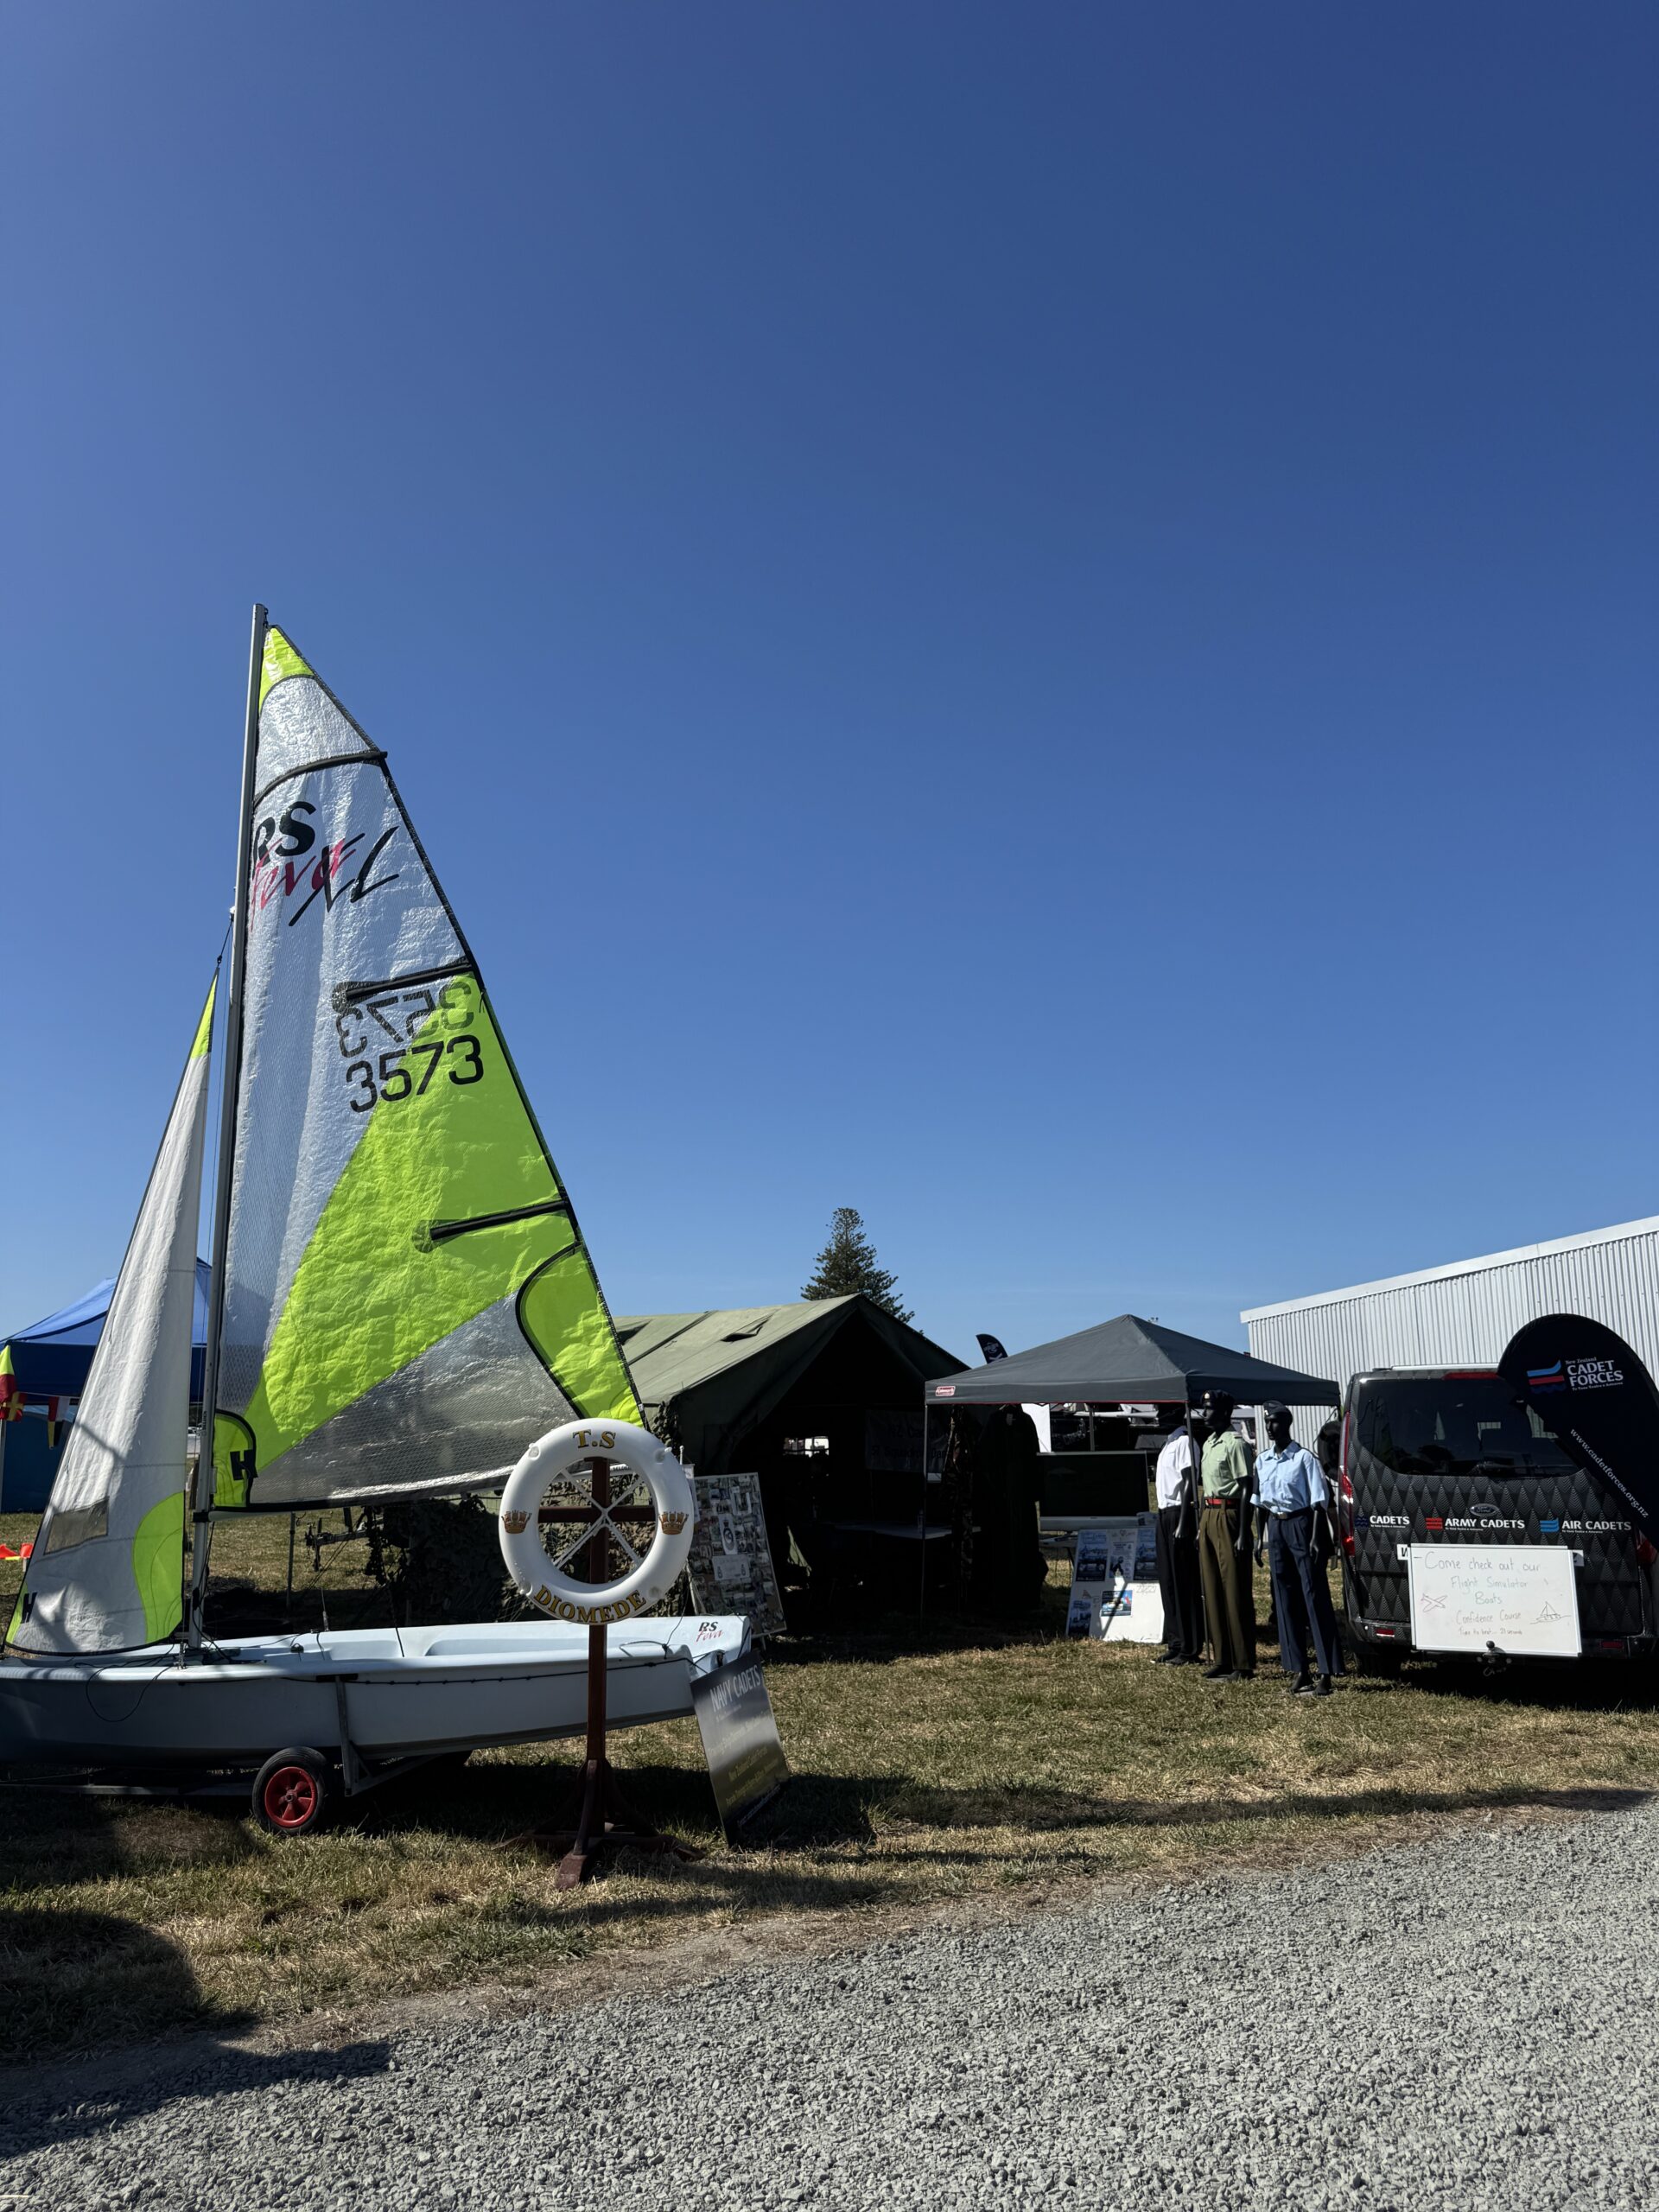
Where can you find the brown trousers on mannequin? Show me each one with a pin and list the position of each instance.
(1229, 1592)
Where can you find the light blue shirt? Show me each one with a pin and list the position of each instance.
(1289, 1481)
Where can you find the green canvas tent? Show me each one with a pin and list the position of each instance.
(728, 1380)
(822, 1399)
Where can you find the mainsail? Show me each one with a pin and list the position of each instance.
(408, 1302)
(108, 1566)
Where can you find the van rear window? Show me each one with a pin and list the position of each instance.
(1455, 1425)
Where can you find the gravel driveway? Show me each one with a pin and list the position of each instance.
(1461, 2025)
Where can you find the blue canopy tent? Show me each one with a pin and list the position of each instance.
(50, 1360)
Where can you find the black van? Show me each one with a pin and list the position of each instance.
(1446, 1455)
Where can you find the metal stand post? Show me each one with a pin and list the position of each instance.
(604, 1820)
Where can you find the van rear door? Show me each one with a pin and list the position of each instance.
(1450, 1457)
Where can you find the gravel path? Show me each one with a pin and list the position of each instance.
(1466, 2023)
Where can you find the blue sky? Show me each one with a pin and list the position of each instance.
(1040, 620)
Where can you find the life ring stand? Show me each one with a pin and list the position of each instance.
(558, 1464)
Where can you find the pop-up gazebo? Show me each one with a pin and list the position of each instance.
(49, 1363)
(1131, 1362)
(1126, 1362)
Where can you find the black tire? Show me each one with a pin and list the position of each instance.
(294, 1792)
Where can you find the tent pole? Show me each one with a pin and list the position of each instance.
(921, 1608)
(202, 1503)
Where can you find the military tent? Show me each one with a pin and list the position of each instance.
(822, 1399)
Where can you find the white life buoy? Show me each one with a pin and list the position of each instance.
(558, 1462)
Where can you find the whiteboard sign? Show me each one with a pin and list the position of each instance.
(1520, 1597)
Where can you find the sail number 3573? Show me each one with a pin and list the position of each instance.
(408, 1070)
(396, 1075)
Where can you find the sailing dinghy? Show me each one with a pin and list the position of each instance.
(401, 1304)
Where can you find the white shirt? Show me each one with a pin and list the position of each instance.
(1175, 1463)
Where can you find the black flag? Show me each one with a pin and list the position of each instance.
(990, 1349)
(1596, 1400)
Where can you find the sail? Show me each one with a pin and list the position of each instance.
(107, 1570)
(408, 1299)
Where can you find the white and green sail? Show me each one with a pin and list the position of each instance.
(408, 1302)
(107, 1569)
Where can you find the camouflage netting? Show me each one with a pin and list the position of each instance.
(441, 1560)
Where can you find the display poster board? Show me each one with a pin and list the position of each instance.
(730, 1564)
(1521, 1599)
(740, 1740)
(1115, 1593)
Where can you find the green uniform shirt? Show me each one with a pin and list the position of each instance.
(1226, 1472)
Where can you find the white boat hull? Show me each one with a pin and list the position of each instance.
(392, 1694)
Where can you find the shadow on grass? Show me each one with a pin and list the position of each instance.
(55, 1839)
(697, 1890)
(1584, 1686)
(67, 1977)
(489, 1801)
(72, 1980)
(829, 1811)
(1050, 1811)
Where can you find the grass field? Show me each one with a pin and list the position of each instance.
(934, 1761)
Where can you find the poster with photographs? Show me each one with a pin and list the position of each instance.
(1114, 1594)
(730, 1566)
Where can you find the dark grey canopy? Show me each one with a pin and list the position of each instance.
(1129, 1359)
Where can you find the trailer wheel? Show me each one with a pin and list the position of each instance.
(294, 1792)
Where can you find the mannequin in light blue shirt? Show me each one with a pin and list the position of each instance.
(1293, 1500)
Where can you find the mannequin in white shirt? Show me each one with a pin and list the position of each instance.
(1176, 1485)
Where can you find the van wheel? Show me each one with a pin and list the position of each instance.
(294, 1793)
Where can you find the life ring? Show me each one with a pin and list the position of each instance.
(558, 1462)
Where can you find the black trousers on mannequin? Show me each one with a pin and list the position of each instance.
(1301, 1596)
(1178, 1578)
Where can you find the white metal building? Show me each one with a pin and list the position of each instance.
(1468, 1311)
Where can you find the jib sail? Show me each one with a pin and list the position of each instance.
(108, 1565)
(408, 1302)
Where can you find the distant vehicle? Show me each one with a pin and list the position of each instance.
(1445, 1455)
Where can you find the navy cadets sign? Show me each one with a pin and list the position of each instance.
(740, 1740)
(1598, 1401)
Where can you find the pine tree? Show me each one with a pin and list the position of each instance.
(848, 1262)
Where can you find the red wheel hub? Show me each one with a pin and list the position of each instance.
(291, 1797)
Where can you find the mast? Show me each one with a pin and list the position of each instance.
(202, 1503)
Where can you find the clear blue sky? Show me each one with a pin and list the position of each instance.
(1042, 618)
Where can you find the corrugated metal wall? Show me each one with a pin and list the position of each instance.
(1469, 1313)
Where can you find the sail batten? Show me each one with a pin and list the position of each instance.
(370, 1336)
(347, 995)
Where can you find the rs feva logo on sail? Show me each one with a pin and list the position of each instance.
(280, 868)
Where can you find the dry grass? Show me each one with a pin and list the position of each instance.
(933, 1762)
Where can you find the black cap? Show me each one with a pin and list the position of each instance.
(1273, 1406)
